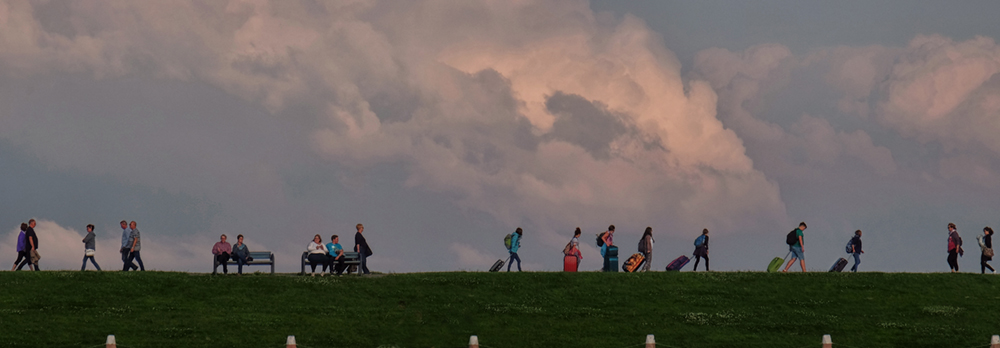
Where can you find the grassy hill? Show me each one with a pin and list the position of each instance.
(515, 310)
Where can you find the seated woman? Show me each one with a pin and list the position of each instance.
(317, 254)
(240, 254)
(221, 250)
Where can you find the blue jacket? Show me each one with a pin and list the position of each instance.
(515, 242)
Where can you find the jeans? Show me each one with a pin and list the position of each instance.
(240, 261)
(84, 267)
(128, 262)
(982, 263)
(125, 260)
(337, 266)
(513, 257)
(953, 260)
(223, 259)
(317, 259)
(363, 252)
(857, 261)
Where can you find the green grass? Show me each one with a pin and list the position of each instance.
(506, 310)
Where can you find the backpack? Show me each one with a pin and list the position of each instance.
(506, 241)
(791, 239)
(699, 241)
(642, 245)
(600, 239)
(849, 246)
(568, 249)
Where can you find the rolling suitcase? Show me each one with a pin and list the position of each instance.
(678, 263)
(611, 259)
(776, 263)
(839, 265)
(633, 263)
(497, 265)
(570, 263)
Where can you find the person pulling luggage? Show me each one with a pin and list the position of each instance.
(515, 244)
(646, 248)
(701, 249)
(796, 247)
(856, 251)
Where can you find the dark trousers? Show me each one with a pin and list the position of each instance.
(84, 267)
(513, 257)
(126, 262)
(697, 258)
(317, 259)
(223, 259)
(953, 260)
(26, 261)
(23, 256)
(983, 259)
(364, 261)
(240, 261)
(133, 256)
(337, 266)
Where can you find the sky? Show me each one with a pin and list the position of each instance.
(444, 125)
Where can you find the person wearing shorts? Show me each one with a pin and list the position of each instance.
(798, 249)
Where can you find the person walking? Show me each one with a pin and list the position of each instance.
(336, 255)
(125, 247)
(21, 254)
(241, 254)
(797, 247)
(361, 246)
(954, 247)
(986, 244)
(646, 248)
(317, 254)
(134, 247)
(222, 251)
(701, 249)
(30, 248)
(856, 250)
(515, 245)
(89, 248)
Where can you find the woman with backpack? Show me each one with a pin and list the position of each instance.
(646, 248)
(701, 249)
(515, 244)
(986, 243)
(954, 247)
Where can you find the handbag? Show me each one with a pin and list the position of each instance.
(88, 252)
(35, 256)
(988, 252)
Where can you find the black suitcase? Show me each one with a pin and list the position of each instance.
(839, 265)
(496, 266)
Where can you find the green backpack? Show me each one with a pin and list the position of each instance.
(506, 241)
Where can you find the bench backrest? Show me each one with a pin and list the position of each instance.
(257, 255)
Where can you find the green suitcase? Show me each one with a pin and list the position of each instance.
(776, 264)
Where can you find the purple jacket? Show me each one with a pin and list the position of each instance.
(20, 242)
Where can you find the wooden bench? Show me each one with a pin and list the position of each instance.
(351, 258)
(259, 258)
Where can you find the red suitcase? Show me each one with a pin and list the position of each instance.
(570, 263)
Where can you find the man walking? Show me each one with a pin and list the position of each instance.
(954, 247)
(125, 247)
(134, 246)
(30, 248)
(797, 247)
(856, 250)
(364, 251)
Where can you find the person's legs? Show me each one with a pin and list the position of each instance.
(20, 256)
(137, 258)
(697, 260)
(953, 261)
(706, 263)
(857, 261)
(802, 262)
(314, 260)
(240, 261)
(128, 264)
(93, 261)
(518, 258)
(223, 260)
(84, 267)
(339, 266)
(364, 262)
(647, 261)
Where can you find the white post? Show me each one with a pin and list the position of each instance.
(995, 341)
(827, 342)
(290, 342)
(650, 341)
(473, 341)
(110, 343)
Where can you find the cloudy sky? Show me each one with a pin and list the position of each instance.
(444, 125)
